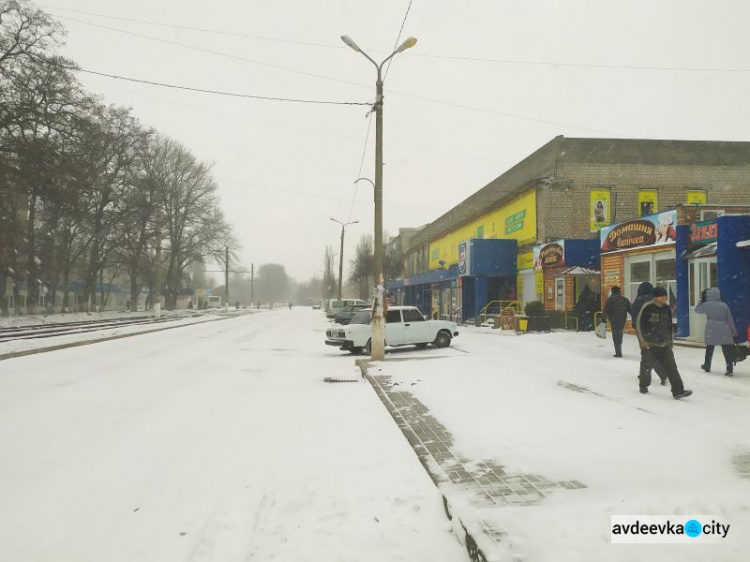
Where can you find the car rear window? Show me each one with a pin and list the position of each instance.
(361, 317)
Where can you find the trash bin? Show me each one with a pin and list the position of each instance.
(522, 321)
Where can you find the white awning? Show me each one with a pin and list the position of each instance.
(744, 244)
(703, 252)
(577, 270)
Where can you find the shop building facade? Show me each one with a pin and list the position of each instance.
(685, 250)
(564, 193)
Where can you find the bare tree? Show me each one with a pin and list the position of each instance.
(363, 266)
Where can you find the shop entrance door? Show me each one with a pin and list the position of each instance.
(560, 293)
(702, 274)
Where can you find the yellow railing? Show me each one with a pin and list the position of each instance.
(497, 308)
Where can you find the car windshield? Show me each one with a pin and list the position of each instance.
(361, 317)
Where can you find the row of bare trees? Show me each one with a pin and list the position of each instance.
(87, 193)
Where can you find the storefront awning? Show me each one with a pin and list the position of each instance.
(702, 252)
(577, 270)
(744, 244)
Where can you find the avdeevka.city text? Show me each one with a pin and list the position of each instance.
(669, 528)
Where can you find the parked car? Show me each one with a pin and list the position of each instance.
(404, 325)
(316, 305)
(334, 306)
(345, 314)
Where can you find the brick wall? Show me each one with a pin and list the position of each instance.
(563, 208)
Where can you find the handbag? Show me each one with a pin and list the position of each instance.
(601, 330)
(741, 351)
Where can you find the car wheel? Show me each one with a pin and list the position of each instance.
(368, 347)
(443, 339)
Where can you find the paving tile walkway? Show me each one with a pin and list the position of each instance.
(487, 484)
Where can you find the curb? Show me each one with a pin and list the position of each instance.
(460, 529)
(26, 352)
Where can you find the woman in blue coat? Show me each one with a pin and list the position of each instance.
(720, 328)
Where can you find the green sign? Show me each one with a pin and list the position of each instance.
(513, 227)
(515, 217)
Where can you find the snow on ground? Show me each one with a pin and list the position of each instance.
(217, 441)
(175, 318)
(560, 406)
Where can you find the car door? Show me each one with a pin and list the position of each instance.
(394, 328)
(416, 329)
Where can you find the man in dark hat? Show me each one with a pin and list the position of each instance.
(654, 326)
(616, 311)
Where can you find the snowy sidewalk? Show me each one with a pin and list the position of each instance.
(536, 441)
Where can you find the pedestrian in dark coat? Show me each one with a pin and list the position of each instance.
(720, 329)
(645, 294)
(655, 337)
(616, 311)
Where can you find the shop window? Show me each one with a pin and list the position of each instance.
(703, 274)
(639, 272)
(666, 277)
(708, 215)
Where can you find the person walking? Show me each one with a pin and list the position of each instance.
(616, 311)
(655, 337)
(720, 328)
(645, 294)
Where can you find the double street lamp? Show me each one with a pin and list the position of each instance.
(378, 328)
(341, 253)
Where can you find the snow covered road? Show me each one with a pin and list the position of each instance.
(217, 441)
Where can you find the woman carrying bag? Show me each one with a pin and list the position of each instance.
(720, 328)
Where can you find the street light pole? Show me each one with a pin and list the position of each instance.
(377, 351)
(341, 253)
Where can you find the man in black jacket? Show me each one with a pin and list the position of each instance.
(616, 311)
(654, 327)
(645, 294)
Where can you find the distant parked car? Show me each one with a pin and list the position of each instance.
(404, 325)
(345, 314)
(334, 306)
(316, 305)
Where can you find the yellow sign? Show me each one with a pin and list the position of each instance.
(696, 197)
(599, 209)
(540, 284)
(525, 260)
(513, 221)
(648, 202)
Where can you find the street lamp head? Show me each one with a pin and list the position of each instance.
(408, 44)
(351, 44)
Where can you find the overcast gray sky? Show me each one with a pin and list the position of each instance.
(488, 83)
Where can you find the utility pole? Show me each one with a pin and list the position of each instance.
(252, 282)
(378, 325)
(157, 283)
(341, 253)
(226, 279)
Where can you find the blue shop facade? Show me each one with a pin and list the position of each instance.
(494, 270)
(685, 250)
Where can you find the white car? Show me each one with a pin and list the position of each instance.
(404, 325)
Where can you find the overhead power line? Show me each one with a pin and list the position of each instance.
(215, 92)
(190, 28)
(415, 54)
(328, 78)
